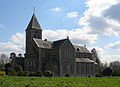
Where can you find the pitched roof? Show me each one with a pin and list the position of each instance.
(58, 43)
(81, 49)
(33, 24)
(48, 44)
(43, 44)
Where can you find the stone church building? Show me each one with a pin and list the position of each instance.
(59, 56)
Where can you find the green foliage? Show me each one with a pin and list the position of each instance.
(107, 71)
(67, 74)
(116, 72)
(27, 85)
(99, 75)
(2, 67)
(7, 68)
(39, 73)
(12, 81)
(48, 74)
(13, 72)
(32, 74)
(18, 68)
(21, 73)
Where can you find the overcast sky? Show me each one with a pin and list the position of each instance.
(95, 23)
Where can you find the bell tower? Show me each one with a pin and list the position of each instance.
(33, 31)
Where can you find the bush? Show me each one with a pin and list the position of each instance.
(107, 71)
(67, 75)
(13, 73)
(39, 73)
(32, 74)
(99, 75)
(116, 72)
(21, 73)
(48, 74)
(2, 73)
(7, 68)
(18, 68)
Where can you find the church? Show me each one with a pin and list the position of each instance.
(59, 56)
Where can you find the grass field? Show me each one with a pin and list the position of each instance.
(9, 81)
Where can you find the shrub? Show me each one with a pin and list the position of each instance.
(7, 68)
(2, 73)
(48, 74)
(20, 73)
(32, 74)
(18, 68)
(107, 71)
(116, 72)
(99, 75)
(67, 75)
(13, 73)
(39, 73)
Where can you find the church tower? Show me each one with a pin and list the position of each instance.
(33, 31)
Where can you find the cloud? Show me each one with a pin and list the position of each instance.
(113, 12)
(110, 58)
(18, 38)
(10, 46)
(15, 44)
(56, 9)
(98, 49)
(101, 17)
(73, 14)
(77, 36)
(115, 45)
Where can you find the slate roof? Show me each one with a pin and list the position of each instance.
(81, 49)
(43, 44)
(33, 24)
(58, 43)
(84, 60)
(48, 44)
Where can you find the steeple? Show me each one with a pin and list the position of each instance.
(33, 31)
(33, 24)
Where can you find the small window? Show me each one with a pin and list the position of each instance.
(78, 49)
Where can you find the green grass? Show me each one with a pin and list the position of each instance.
(10, 81)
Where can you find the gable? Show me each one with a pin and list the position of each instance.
(67, 44)
(58, 44)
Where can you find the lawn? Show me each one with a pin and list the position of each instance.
(10, 81)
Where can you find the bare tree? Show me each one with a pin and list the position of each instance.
(95, 56)
(115, 64)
